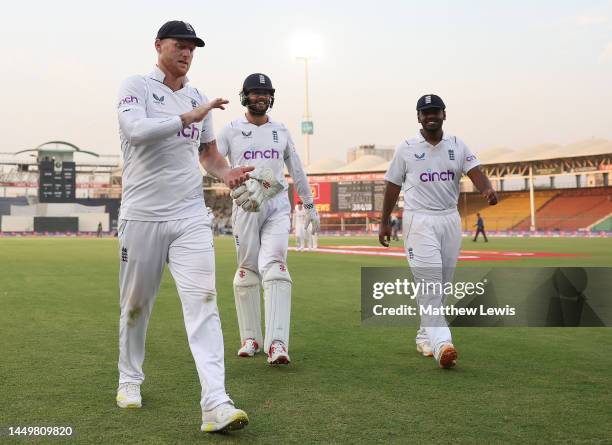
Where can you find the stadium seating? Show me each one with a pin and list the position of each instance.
(512, 208)
(573, 209)
(470, 204)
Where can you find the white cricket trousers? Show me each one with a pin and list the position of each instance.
(432, 241)
(300, 234)
(262, 239)
(187, 246)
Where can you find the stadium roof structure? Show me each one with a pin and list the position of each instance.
(579, 156)
(589, 147)
(324, 165)
(58, 146)
(362, 164)
(29, 156)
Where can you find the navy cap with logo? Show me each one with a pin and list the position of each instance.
(176, 29)
(430, 101)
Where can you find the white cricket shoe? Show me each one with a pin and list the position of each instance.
(424, 347)
(128, 395)
(277, 354)
(224, 417)
(447, 356)
(249, 348)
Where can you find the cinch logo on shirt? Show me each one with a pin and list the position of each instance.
(430, 176)
(261, 154)
(191, 132)
(128, 100)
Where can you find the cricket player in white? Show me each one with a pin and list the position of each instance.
(163, 124)
(429, 167)
(299, 214)
(313, 239)
(261, 219)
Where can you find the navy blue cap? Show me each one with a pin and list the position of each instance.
(430, 101)
(177, 29)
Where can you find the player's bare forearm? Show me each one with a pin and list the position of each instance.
(392, 192)
(217, 166)
(211, 159)
(482, 183)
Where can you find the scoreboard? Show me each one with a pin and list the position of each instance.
(346, 193)
(360, 196)
(57, 181)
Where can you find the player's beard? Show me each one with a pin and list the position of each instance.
(259, 108)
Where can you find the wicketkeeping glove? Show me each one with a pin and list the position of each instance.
(261, 185)
(312, 217)
(248, 196)
(269, 183)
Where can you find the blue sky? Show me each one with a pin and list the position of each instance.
(513, 73)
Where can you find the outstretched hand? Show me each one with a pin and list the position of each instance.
(236, 176)
(217, 103)
(199, 113)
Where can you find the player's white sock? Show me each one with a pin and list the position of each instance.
(277, 299)
(248, 304)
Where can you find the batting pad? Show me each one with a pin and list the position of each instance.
(277, 299)
(248, 304)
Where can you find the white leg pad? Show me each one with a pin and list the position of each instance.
(277, 299)
(248, 304)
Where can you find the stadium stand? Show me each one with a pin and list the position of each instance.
(221, 206)
(470, 204)
(512, 209)
(571, 182)
(572, 209)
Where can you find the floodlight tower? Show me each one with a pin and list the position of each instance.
(307, 124)
(306, 48)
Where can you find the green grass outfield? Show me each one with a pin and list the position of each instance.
(346, 384)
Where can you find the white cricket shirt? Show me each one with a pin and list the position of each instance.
(268, 145)
(162, 180)
(430, 174)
